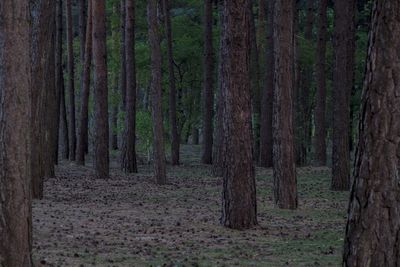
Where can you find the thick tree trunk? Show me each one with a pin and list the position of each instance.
(239, 209)
(342, 85)
(266, 140)
(15, 150)
(156, 92)
(122, 55)
(115, 84)
(373, 227)
(83, 126)
(58, 74)
(320, 99)
(285, 188)
(71, 80)
(172, 89)
(129, 164)
(101, 131)
(208, 97)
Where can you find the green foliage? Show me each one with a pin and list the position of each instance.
(143, 131)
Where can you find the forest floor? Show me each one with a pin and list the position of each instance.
(130, 221)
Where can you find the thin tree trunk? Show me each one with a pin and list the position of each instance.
(128, 162)
(156, 92)
(373, 227)
(82, 29)
(266, 140)
(239, 209)
(208, 97)
(71, 80)
(172, 88)
(15, 150)
(122, 56)
(320, 99)
(59, 73)
(101, 130)
(115, 85)
(64, 122)
(84, 117)
(285, 188)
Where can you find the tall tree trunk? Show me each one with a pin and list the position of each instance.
(59, 76)
(285, 188)
(82, 29)
(129, 164)
(115, 84)
(320, 99)
(239, 209)
(172, 88)
(342, 85)
(84, 117)
(122, 55)
(64, 122)
(208, 97)
(101, 131)
(373, 227)
(71, 80)
(266, 140)
(15, 150)
(156, 92)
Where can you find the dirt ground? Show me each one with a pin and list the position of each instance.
(130, 221)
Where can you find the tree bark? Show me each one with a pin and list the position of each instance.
(266, 140)
(115, 84)
(172, 88)
(239, 209)
(156, 92)
(101, 129)
(129, 164)
(208, 97)
(122, 55)
(15, 145)
(58, 74)
(320, 99)
(64, 122)
(373, 227)
(342, 85)
(82, 29)
(285, 189)
(84, 118)
(71, 80)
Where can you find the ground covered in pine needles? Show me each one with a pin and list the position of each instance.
(130, 221)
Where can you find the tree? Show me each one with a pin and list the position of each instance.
(372, 233)
(101, 131)
(342, 86)
(71, 78)
(320, 98)
(83, 126)
(285, 189)
(239, 209)
(208, 96)
(82, 30)
(156, 92)
(172, 89)
(15, 156)
(129, 164)
(122, 55)
(266, 140)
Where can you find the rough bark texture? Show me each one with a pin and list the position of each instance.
(115, 83)
(71, 80)
(173, 125)
(342, 85)
(122, 56)
(373, 227)
(320, 99)
(266, 140)
(285, 189)
(239, 209)
(82, 29)
(129, 164)
(156, 92)
(64, 123)
(15, 151)
(83, 125)
(208, 97)
(101, 131)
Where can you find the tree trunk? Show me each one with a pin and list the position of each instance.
(129, 164)
(82, 29)
(71, 80)
(320, 99)
(239, 190)
(115, 84)
(266, 140)
(208, 97)
(59, 76)
(342, 85)
(122, 56)
(156, 92)
(83, 126)
(373, 227)
(15, 150)
(172, 89)
(285, 188)
(101, 131)
(64, 122)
